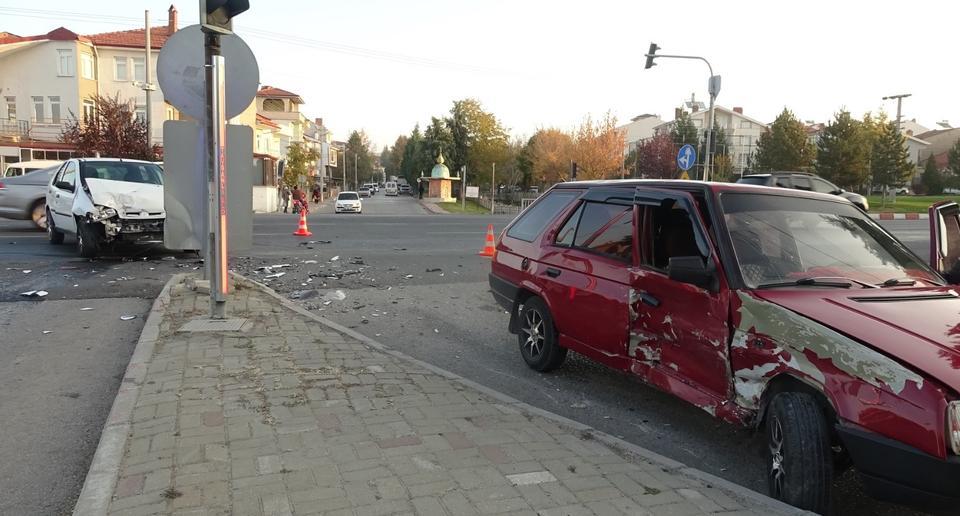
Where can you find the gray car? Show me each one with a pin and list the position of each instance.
(805, 181)
(24, 197)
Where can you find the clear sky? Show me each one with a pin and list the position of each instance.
(384, 65)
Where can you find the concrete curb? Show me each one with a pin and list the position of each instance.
(772, 505)
(900, 216)
(432, 208)
(102, 476)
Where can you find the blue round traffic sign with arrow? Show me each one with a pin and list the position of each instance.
(686, 157)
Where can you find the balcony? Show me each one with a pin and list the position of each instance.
(44, 130)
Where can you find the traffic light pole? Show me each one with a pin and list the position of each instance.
(215, 219)
(714, 89)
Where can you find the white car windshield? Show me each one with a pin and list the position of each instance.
(348, 197)
(780, 240)
(128, 172)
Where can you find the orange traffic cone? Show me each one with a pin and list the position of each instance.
(489, 249)
(302, 229)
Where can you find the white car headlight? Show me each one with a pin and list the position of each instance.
(103, 213)
(953, 426)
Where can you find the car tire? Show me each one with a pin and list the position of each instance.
(54, 235)
(538, 337)
(38, 214)
(87, 240)
(799, 455)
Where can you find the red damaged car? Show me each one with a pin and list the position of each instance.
(788, 311)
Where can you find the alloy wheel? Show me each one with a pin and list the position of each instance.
(776, 459)
(533, 328)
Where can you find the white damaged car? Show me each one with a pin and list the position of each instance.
(105, 202)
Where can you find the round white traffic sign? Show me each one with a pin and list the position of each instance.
(180, 71)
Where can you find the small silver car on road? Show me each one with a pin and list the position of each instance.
(24, 197)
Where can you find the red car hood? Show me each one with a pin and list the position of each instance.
(920, 327)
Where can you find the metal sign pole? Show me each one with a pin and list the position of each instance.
(216, 184)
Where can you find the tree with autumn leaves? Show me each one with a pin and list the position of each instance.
(113, 131)
(474, 139)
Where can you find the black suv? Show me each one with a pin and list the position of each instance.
(804, 181)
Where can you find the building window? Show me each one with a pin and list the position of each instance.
(38, 109)
(86, 66)
(11, 108)
(139, 72)
(171, 114)
(89, 110)
(65, 63)
(55, 109)
(121, 71)
(140, 113)
(745, 124)
(273, 105)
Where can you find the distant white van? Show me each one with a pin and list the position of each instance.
(25, 167)
(391, 189)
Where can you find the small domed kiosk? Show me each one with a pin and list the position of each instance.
(441, 184)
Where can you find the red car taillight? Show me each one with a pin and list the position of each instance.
(2, 187)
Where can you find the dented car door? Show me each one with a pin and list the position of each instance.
(679, 331)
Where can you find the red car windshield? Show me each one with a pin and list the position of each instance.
(779, 239)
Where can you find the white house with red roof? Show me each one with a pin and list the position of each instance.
(47, 78)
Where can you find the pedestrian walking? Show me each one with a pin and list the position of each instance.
(285, 198)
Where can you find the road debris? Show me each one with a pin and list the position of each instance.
(86, 309)
(336, 295)
(435, 270)
(27, 271)
(275, 275)
(335, 258)
(309, 262)
(127, 317)
(47, 332)
(34, 293)
(409, 276)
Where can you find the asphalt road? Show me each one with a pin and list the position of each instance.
(415, 282)
(408, 278)
(63, 358)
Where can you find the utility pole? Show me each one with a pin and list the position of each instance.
(463, 190)
(356, 184)
(147, 85)
(899, 99)
(493, 194)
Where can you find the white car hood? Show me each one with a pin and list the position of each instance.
(131, 200)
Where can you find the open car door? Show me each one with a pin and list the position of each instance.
(945, 240)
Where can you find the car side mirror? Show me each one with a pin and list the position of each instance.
(839, 191)
(693, 270)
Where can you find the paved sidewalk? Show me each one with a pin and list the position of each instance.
(295, 415)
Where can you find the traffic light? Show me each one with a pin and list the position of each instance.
(217, 15)
(573, 170)
(650, 55)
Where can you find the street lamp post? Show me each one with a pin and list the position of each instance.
(713, 86)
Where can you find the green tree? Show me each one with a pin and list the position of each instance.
(953, 159)
(438, 139)
(843, 151)
(684, 131)
(393, 162)
(784, 146)
(358, 158)
(300, 161)
(479, 140)
(890, 163)
(931, 179)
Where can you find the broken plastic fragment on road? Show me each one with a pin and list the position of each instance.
(335, 258)
(34, 293)
(127, 317)
(275, 275)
